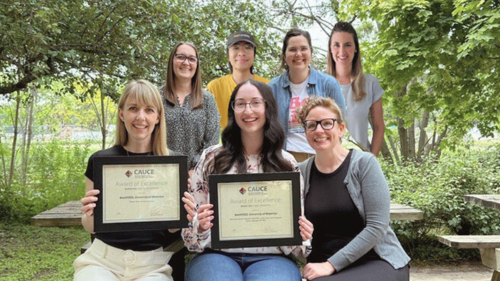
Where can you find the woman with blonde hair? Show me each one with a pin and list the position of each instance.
(362, 92)
(140, 131)
(348, 202)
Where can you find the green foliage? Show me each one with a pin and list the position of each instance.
(106, 43)
(55, 176)
(438, 189)
(39, 253)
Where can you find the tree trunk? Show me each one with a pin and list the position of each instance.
(411, 141)
(29, 128)
(402, 132)
(14, 141)
(438, 142)
(422, 141)
(386, 153)
(103, 123)
(4, 168)
(394, 149)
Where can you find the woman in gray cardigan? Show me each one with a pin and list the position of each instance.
(348, 201)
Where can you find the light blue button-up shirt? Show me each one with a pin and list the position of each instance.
(319, 84)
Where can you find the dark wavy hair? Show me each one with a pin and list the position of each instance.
(274, 137)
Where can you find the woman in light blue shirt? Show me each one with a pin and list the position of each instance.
(296, 85)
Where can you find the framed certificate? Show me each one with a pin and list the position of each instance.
(140, 193)
(254, 210)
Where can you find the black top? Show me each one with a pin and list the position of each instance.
(130, 240)
(330, 208)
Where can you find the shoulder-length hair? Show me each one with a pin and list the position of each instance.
(292, 33)
(232, 151)
(196, 89)
(144, 93)
(357, 77)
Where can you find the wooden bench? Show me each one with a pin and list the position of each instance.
(488, 245)
(69, 214)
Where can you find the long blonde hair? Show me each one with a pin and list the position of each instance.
(144, 93)
(357, 77)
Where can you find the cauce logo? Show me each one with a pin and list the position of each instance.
(242, 191)
(128, 173)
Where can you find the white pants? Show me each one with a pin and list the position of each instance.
(104, 262)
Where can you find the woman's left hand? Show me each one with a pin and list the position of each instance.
(306, 228)
(316, 270)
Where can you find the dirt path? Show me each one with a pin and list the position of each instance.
(470, 271)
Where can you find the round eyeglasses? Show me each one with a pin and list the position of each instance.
(183, 58)
(240, 105)
(326, 124)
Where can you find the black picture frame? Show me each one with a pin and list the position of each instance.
(131, 166)
(217, 181)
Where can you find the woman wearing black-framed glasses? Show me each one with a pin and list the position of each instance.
(348, 201)
(191, 115)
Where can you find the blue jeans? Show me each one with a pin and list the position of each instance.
(221, 266)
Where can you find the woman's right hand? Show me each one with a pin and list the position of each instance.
(88, 202)
(203, 214)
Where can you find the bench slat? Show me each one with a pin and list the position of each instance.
(471, 241)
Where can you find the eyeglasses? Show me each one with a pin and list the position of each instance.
(240, 105)
(295, 50)
(247, 48)
(183, 58)
(326, 124)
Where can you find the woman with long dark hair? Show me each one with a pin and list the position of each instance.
(251, 143)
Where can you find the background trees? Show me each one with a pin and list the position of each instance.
(437, 60)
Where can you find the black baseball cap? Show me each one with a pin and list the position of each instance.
(240, 36)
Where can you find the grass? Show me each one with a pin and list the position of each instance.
(39, 253)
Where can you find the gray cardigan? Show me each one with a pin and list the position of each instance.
(368, 189)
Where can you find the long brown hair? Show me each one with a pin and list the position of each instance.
(144, 93)
(357, 77)
(274, 138)
(196, 90)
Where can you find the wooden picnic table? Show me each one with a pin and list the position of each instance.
(69, 214)
(488, 245)
(486, 200)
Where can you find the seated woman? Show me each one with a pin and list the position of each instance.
(348, 201)
(251, 143)
(140, 130)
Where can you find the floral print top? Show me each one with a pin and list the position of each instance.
(199, 188)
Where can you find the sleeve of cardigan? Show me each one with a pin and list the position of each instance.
(376, 198)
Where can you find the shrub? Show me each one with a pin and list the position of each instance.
(438, 189)
(54, 176)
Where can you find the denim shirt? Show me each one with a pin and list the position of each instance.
(319, 84)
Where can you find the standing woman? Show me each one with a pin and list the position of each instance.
(292, 88)
(251, 143)
(362, 92)
(348, 201)
(191, 113)
(140, 131)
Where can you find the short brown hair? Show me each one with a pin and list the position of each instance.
(315, 101)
